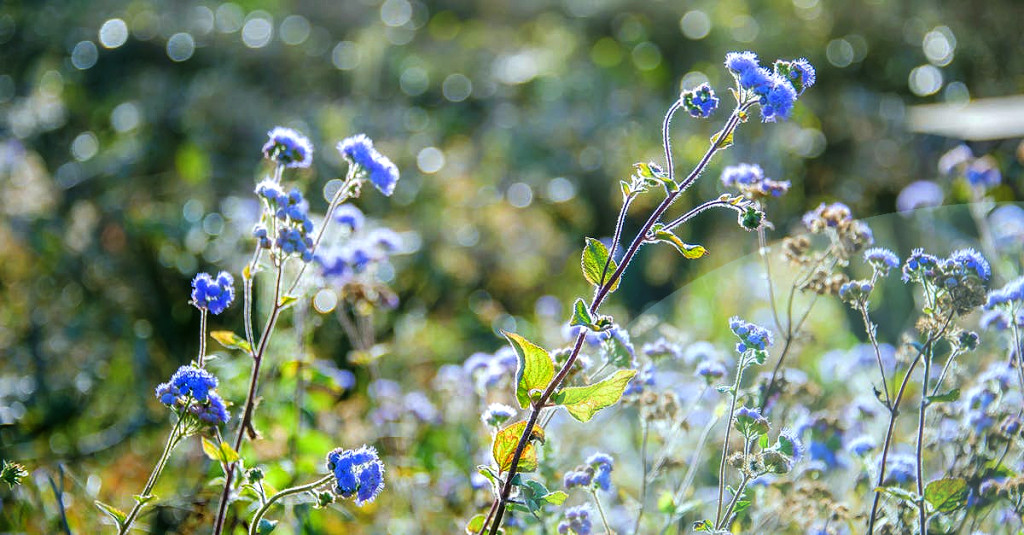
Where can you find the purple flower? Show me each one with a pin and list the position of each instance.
(701, 101)
(350, 216)
(358, 472)
(920, 194)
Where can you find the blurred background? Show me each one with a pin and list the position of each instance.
(130, 137)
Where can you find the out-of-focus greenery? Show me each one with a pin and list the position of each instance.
(123, 172)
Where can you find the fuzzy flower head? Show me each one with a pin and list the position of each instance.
(212, 294)
(983, 173)
(750, 422)
(1008, 297)
(350, 216)
(958, 280)
(861, 445)
(191, 389)
(358, 151)
(752, 337)
(901, 468)
(577, 521)
(882, 260)
(288, 148)
(710, 370)
(602, 463)
(358, 473)
(775, 90)
(294, 227)
(700, 102)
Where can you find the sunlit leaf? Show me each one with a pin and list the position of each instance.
(113, 512)
(222, 452)
(534, 368)
(231, 340)
(946, 495)
(595, 256)
(582, 402)
(581, 315)
(505, 443)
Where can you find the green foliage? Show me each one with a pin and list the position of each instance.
(594, 260)
(504, 448)
(947, 495)
(534, 370)
(583, 402)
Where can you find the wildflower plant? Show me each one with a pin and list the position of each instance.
(287, 238)
(539, 387)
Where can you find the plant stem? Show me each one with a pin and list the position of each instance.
(732, 503)
(250, 400)
(871, 329)
(893, 414)
(254, 525)
(600, 509)
(202, 336)
(920, 440)
(643, 480)
(728, 432)
(602, 292)
(172, 441)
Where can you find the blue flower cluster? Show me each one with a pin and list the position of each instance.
(700, 101)
(861, 446)
(824, 439)
(855, 291)
(359, 151)
(1005, 306)
(191, 388)
(288, 148)
(487, 370)
(350, 216)
(358, 255)
(751, 336)
(901, 468)
(750, 422)
(596, 472)
(881, 260)
(710, 370)
(749, 179)
(644, 378)
(776, 90)
(294, 227)
(212, 294)
(825, 215)
(577, 521)
(357, 472)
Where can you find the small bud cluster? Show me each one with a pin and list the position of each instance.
(288, 148)
(752, 337)
(855, 292)
(358, 150)
(497, 414)
(700, 102)
(291, 219)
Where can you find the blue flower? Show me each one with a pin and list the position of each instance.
(743, 174)
(881, 259)
(359, 151)
(741, 62)
(919, 194)
(643, 378)
(1012, 292)
(187, 381)
(801, 74)
(212, 294)
(972, 260)
(577, 521)
(751, 336)
(350, 216)
(710, 370)
(358, 472)
(777, 100)
(701, 101)
(983, 173)
(214, 411)
(902, 468)
(497, 414)
(288, 147)
(919, 264)
(861, 446)
(578, 478)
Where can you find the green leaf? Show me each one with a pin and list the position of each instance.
(900, 494)
(703, 525)
(113, 512)
(763, 442)
(581, 315)
(952, 395)
(620, 354)
(222, 453)
(475, 524)
(287, 301)
(690, 252)
(231, 340)
(555, 498)
(595, 256)
(725, 142)
(946, 495)
(504, 447)
(741, 506)
(582, 402)
(143, 500)
(534, 368)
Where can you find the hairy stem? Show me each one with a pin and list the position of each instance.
(600, 509)
(728, 433)
(202, 336)
(172, 441)
(254, 525)
(920, 441)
